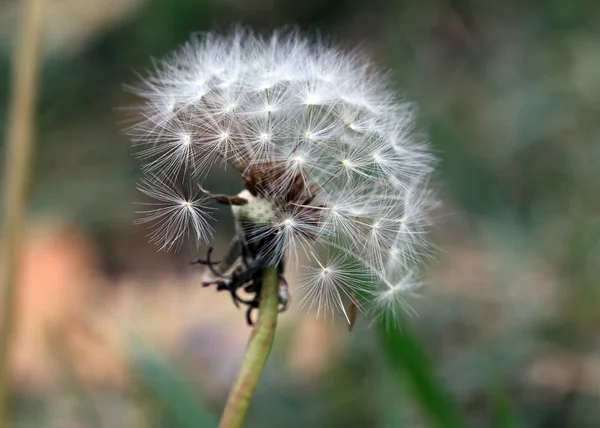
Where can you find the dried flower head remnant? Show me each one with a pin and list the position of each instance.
(333, 176)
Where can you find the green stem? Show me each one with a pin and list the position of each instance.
(19, 147)
(256, 355)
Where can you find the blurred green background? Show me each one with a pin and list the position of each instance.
(114, 334)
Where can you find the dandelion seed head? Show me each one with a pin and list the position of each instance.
(332, 172)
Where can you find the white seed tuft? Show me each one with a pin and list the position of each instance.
(326, 150)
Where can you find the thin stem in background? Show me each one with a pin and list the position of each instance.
(256, 355)
(19, 144)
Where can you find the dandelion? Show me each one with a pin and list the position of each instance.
(334, 180)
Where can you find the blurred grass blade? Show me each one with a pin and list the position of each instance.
(412, 366)
(503, 412)
(181, 406)
(16, 177)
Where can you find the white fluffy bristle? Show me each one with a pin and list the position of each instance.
(339, 173)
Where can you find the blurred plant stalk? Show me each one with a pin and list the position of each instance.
(257, 352)
(19, 147)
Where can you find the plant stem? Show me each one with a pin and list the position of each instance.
(256, 355)
(19, 145)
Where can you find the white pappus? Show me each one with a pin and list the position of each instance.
(334, 178)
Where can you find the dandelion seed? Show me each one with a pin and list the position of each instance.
(176, 211)
(391, 299)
